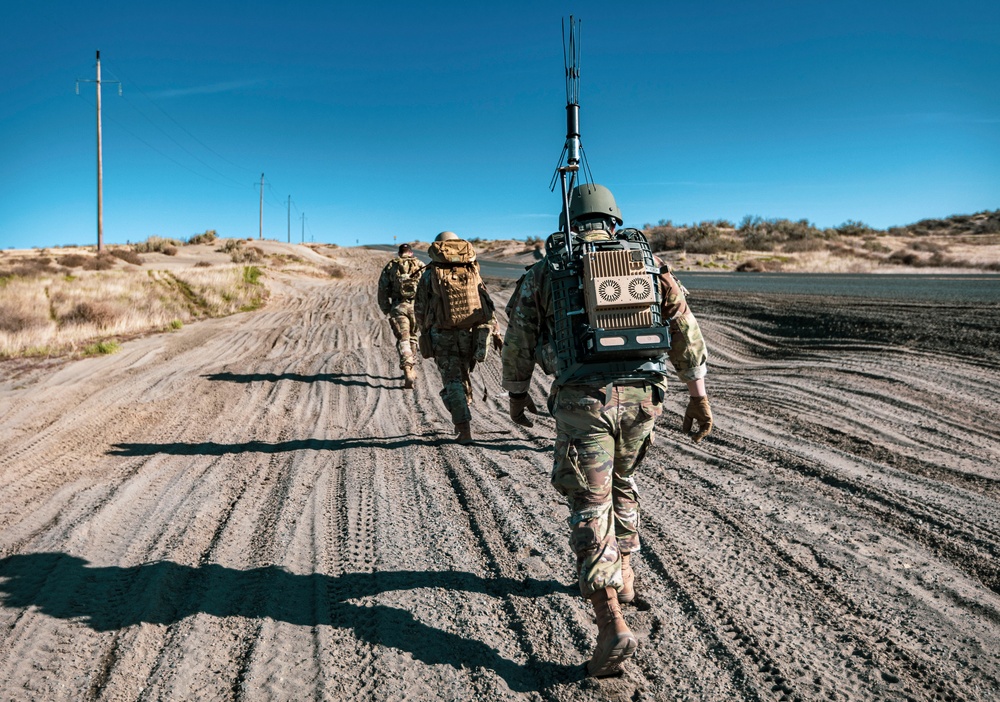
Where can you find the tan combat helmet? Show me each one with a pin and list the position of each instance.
(446, 236)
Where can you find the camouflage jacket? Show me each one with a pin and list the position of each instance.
(389, 292)
(530, 325)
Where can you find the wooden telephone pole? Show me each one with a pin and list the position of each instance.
(100, 159)
(260, 233)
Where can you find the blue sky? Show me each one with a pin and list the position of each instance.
(402, 119)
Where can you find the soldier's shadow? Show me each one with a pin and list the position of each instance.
(112, 598)
(213, 448)
(346, 379)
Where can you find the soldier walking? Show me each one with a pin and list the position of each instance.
(455, 315)
(604, 407)
(397, 288)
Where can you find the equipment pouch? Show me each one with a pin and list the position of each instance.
(482, 338)
(425, 345)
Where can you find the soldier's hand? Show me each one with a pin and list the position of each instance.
(497, 342)
(698, 410)
(519, 402)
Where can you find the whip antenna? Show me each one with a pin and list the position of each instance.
(572, 153)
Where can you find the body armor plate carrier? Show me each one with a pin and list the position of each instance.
(606, 302)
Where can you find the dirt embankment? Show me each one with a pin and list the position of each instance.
(252, 508)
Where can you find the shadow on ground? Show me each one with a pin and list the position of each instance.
(212, 448)
(357, 380)
(112, 598)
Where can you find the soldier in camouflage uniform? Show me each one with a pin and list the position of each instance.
(397, 287)
(603, 429)
(454, 350)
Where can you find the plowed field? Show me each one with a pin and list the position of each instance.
(252, 508)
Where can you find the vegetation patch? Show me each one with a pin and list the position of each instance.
(101, 348)
(206, 237)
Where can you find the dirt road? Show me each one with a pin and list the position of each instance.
(253, 508)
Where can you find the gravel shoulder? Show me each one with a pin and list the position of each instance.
(253, 508)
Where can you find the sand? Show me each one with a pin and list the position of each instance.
(252, 508)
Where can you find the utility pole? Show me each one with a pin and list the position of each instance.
(303, 227)
(260, 234)
(289, 219)
(100, 161)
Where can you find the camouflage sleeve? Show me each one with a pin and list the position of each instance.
(523, 329)
(422, 302)
(688, 353)
(385, 290)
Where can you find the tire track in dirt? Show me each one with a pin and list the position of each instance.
(259, 511)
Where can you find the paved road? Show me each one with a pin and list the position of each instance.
(965, 288)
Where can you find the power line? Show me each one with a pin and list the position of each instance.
(184, 129)
(164, 155)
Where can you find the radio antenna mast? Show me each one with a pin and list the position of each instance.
(572, 152)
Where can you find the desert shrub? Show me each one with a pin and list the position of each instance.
(904, 258)
(335, 271)
(72, 260)
(176, 324)
(989, 226)
(534, 241)
(14, 320)
(751, 266)
(761, 240)
(248, 254)
(852, 228)
(230, 245)
(755, 265)
(101, 262)
(929, 246)
(96, 313)
(156, 244)
(127, 255)
(26, 268)
(803, 245)
(207, 237)
(101, 348)
(876, 246)
(202, 264)
(708, 240)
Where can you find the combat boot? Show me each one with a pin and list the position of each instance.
(615, 643)
(409, 376)
(464, 431)
(627, 593)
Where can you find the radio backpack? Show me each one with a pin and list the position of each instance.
(607, 308)
(456, 283)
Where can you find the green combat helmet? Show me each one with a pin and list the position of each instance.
(446, 236)
(593, 200)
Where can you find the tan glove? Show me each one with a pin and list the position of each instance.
(519, 402)
(698, 410)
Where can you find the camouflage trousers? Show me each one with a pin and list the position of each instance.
(404, 328)
(453, 351)
(599, 443)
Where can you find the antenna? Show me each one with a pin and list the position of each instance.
(572, 152)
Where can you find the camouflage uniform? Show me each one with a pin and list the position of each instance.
(395, 303)
(603, 427)
(453, 349)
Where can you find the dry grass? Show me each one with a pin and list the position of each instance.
(48, 315)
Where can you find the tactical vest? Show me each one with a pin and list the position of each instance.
(456, 282)
(607, 319)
